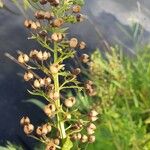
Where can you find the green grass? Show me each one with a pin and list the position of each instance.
(123, 100)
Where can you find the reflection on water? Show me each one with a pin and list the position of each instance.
(105, 16)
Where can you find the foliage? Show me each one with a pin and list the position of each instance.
(123, 86)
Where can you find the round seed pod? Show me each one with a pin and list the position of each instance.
(91, 139)
(39, 14)
(48, 16)
(47, 81)
(54, 3)
(54, 95)
(93, 113)
(79, 136)
(76, 71)
(73, 43)
(70, 102)
(27, 23)
(82, 45)
(28, 76)
(40, 55)
(36, 84)
(56, 37)
(25, 57)
(84, 58)
(56, 141)
(33, 53)
(80, 17)
(28, 129)
(42, 82)
(38, 24)
(43, 2)
(58, 22)
(90, 131)
(39, 131)
(84, 139)
(76, 9)
(51, 146)
(48, 111)
(25, 120)
(54, 68)
(21, 59)
(46, 55)
(34, 26)
(93, 118)
(92, 126)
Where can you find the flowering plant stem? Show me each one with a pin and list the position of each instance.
(60, 125)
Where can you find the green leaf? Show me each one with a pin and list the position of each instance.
(68, 144)
(36, 102)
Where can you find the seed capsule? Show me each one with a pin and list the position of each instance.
(27, 23)
(79, 136)
(54, 95)
(36, 84)
(92, 126)
(34, 26)
(76, 71)
(82, 45)
(93, 118)
(84, 58)
(58, 22)
(25, 121)
(43, 2)
(25, 57)
(39, 14)
(51, 146)
(90, 131)
(21, 59)
(47, 81)
(93, 113)
(73, 43)
(84, 138)
(70, 102)
(76, 9)
(42, 82)
(47, 15)
(56, 37)
(91, 139)
(56, 141)
(28, 76)
(49, 109)
(40, 55)
(80, 17)
(54, 3)
(28, 129)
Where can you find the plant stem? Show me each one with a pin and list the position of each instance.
(60, 122)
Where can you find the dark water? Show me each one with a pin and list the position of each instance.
(104, 16)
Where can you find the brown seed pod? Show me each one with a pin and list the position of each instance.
(47, 81)
(84, 139)
(25, 120)
(27, 23)
(57, 37)
(90, 131)
(42, 82)
(80, 17)
(92, 126)
(28, 129)
(70, 102)
(49, 109)
(73, 43)
(58, 22)
(84, 58)
(76, 9)
(54, 95)
(91, 139)
(38, 24)
(28, 76)
(79, 136)
(21, 59)
(48, 15)
(51, 146)
(56, 141)
(34, 26)
(54, 68)
(76, 71)
(82, 45)
(40, 55)
(39, 14)
(36, 84)
(43, 2)
(54, 3)
(93, 113)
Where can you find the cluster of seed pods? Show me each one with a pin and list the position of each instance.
(64, 122)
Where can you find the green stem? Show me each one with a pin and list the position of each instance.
(60, 122)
